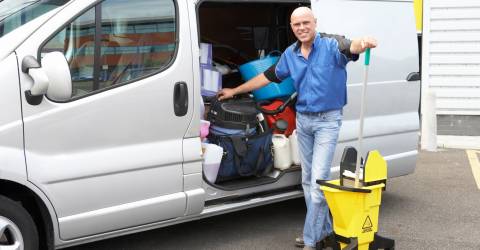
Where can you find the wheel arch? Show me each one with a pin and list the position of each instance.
(36, 206)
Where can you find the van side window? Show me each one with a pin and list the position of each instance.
(77, 42)
(117, 42)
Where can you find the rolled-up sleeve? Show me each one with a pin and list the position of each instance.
(279, 71)
(343, 46)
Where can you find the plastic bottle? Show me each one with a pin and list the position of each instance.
(281, 152)
(294, 151)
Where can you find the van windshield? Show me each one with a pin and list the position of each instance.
(15, 13)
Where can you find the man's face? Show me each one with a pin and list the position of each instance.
(303, 26)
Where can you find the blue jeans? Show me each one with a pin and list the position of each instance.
(317, 139)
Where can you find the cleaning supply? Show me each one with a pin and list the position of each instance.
(204, 128)
(281, 152)
(354, 199)
(212, 157)
(279, 114)
(355, 210)
(294, 148)
(362, 115)
(272, 90)
(236, 113)
(281, 122)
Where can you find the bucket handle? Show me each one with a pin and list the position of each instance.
(280, 108)
(343, 188)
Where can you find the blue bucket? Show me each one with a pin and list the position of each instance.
(272, 90)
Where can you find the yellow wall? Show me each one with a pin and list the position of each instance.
(418, 14)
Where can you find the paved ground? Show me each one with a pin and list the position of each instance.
(438, 207)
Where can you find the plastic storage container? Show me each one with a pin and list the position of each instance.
(272, 90)
(281, 152)
(293, 139)
(212, 157)
(204, 127)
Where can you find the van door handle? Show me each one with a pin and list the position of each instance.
(414, 76)
(180, 99)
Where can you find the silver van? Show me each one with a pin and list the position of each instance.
(100, 109)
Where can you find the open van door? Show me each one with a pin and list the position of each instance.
(391, 120)
(108, 154)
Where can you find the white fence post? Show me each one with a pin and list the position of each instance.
(429, 121)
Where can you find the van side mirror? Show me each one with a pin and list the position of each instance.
(31, 66)
(52, 78)
(60, 81)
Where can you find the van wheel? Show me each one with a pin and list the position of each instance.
(17, 228)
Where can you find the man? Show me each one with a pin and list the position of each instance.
(317, 64)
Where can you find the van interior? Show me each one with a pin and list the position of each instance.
(239, 33)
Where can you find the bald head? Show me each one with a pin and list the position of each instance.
(303, 24)
(302, 11)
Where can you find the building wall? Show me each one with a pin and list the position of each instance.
(451, 48)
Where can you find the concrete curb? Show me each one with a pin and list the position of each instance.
(460, 142)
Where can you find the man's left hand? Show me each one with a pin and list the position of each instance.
(360, 45)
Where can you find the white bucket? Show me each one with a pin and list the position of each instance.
(281, 152)
(294, 148)
(211, 161)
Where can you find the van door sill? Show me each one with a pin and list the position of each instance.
(245, 182)
(248, 182)
(229, 205)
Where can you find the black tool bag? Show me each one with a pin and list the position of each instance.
(248, 155)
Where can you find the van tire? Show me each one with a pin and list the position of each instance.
(18, 225)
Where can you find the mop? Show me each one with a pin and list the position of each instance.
(362, 115)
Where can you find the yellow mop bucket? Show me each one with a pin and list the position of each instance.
(354, 201)
(355, 210)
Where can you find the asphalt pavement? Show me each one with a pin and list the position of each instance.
(437, 207)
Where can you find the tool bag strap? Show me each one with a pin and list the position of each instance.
(260, 162)
(240, 145)
(241, 149)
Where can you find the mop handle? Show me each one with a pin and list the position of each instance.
(362, 114)
(367, 57)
